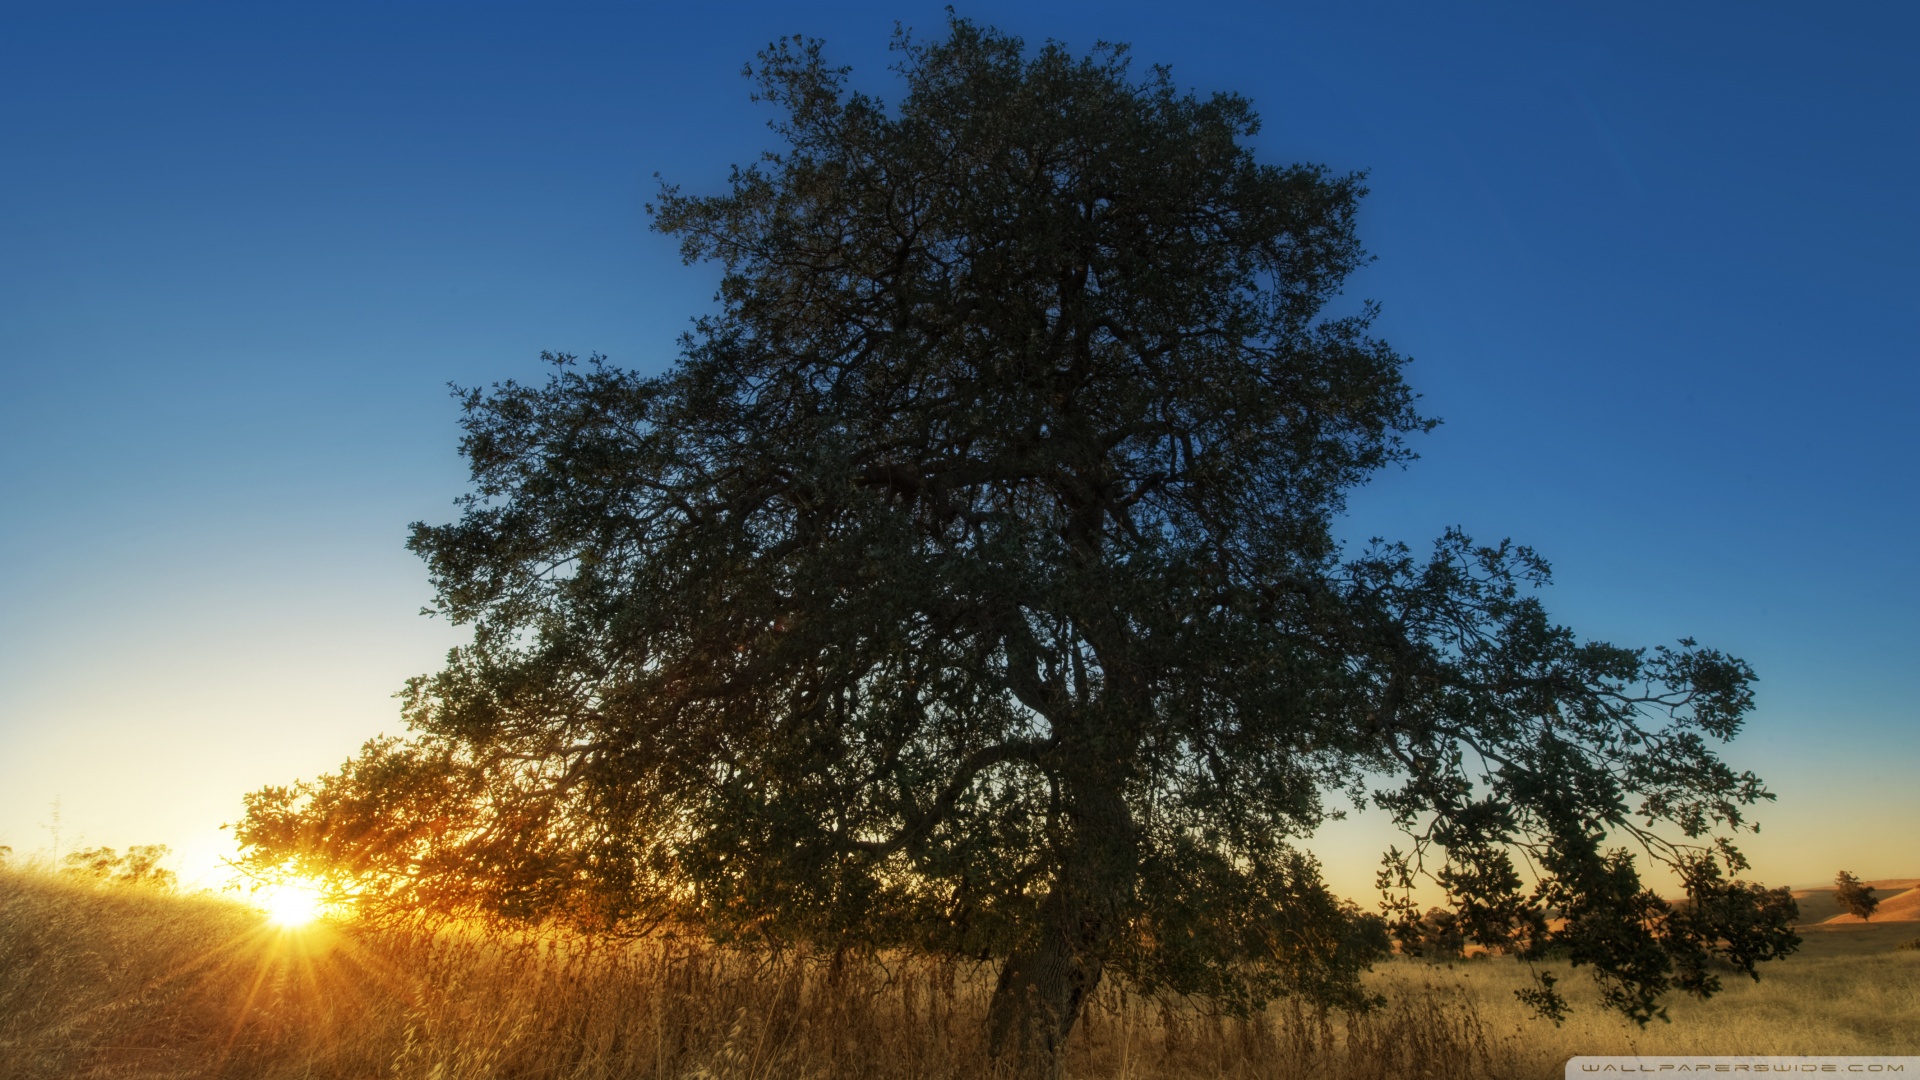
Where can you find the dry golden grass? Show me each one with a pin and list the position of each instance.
(1848, 991)
(1900, 907)
(126, 983)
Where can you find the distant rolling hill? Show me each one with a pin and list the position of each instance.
(1899, 902)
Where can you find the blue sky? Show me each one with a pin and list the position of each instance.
(1657, 270)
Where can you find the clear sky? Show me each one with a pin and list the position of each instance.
(1657, 265)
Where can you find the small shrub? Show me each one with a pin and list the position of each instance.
(139, 866)
(1909, 946)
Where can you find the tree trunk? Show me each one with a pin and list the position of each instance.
(1043, 985)
(1049, 976)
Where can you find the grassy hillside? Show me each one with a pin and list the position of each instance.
(1899, 902)
(121, 983)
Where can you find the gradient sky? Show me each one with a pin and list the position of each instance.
(1658, 270)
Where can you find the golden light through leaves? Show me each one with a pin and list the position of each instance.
(289, 903)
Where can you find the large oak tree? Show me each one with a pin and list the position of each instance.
(969, 585)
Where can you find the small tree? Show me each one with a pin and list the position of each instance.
(970, 585)
(1437, 934)
(1855, 897)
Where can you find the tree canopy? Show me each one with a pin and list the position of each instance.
(1854, 897)
(969, 584)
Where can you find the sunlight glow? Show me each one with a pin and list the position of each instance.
(289, 903)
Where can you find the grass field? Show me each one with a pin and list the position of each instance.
(123, 983)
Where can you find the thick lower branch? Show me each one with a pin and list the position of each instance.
(921, 823)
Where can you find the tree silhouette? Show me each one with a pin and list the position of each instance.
(969, 586)
(1856, 898)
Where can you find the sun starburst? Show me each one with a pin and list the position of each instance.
(289, 904)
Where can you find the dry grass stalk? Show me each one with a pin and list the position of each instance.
(124, 983)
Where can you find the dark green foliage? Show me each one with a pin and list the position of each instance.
(1854, 897)
(969, 585)
(1437, 935)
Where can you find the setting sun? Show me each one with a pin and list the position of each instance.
(289, 903)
